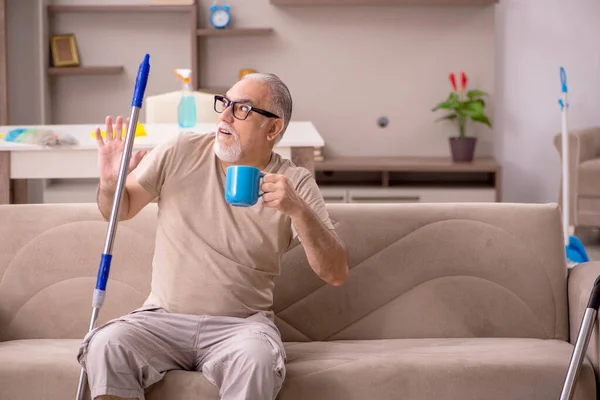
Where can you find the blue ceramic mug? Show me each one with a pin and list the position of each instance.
(242, 185)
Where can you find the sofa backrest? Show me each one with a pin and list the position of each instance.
(434, 270)
(417, 270)
(49, 258)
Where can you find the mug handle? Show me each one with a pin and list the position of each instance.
(262, 175)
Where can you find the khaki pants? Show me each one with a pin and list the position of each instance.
(243, 357)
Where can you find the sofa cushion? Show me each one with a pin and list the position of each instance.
(415, 369)
(426, 369)
(47, 369)
(589, 178)
(42, 369)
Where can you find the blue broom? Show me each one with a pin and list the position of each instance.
(575, 251)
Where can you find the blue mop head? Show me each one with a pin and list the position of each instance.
(576, 253)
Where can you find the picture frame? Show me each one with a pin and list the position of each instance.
(64, 50)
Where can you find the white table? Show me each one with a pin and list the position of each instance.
(19, 162)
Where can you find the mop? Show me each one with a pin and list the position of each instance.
(575, 255)
(575, 252)
(106, 257)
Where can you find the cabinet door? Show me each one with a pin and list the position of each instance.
(383, 195)
(334, 195)
(458, 195)
(421, 194)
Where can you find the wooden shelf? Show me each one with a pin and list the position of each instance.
(65, 8)
(383, 2)
(408, 164)
(85, 70)
(234, 31)
(383, 179)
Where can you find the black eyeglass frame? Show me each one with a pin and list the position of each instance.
(231, 103)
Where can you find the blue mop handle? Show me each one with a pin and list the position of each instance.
(563, 87)
(565, 155)
(106, 258)
(103, 271)
(141, 82)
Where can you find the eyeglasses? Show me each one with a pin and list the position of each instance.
(240, 109)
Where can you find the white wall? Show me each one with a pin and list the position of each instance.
(348, 65)
(535, 38)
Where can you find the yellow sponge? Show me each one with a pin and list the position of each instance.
(139, 131)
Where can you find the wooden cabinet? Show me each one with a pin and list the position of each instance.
(383, 2)
(408, 180)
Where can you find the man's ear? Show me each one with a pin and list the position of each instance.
(275, 129)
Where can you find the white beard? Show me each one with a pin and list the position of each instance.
(228, 153)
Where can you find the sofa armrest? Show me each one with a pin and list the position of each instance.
(584, 145)
(588, 143)
(581, 280)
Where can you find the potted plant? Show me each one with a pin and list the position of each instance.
(462, 105)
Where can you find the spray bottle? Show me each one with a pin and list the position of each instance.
(186, 111)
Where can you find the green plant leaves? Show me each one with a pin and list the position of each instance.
(482, 119)
(447, 117)
(451, 103)
(473, 94)
(472, 107)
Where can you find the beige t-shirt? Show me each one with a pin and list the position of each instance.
(212, 258)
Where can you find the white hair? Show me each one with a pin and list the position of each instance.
(280, 98)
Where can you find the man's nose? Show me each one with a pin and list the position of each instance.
(227, 115)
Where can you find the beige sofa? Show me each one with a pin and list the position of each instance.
(584, 176)
(444, 301)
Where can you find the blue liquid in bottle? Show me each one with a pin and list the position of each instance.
(186, 112)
